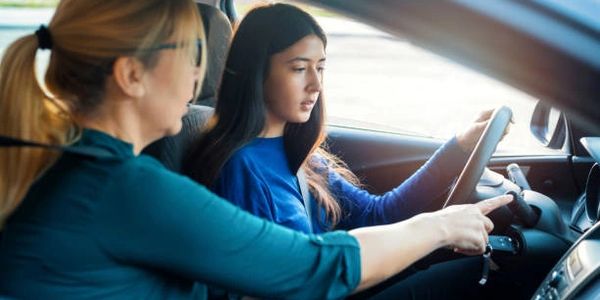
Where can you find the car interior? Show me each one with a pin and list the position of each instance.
(547, 241)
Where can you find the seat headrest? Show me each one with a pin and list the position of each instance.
(172, 150)
(218, 37)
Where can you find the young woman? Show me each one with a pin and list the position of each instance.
(269, 126)
(101, 221)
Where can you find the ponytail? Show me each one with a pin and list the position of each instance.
(26, 113)
(85, 37)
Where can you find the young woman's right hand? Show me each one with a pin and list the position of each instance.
(465, 228)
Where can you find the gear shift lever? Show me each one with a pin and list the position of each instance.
(515, 174)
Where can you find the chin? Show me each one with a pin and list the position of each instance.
(175, 129)
(302, 119)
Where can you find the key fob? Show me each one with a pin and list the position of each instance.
(503, 244)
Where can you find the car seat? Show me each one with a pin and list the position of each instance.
(171, 151)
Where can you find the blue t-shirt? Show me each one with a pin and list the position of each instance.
(127, 228)
(257, 178)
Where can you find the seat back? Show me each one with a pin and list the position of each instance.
(218, 37)
(171, 151)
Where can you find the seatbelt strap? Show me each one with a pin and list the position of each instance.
(305, 195)
(88, 151)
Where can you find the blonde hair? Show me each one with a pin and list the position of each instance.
(87, 37)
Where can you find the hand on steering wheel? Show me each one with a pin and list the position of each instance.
(482, 152)
(467, 139)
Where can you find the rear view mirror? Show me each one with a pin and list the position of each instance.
(548, 126)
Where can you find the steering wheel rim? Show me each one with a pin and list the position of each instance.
(479, 157)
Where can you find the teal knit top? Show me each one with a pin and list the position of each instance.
(125, 227)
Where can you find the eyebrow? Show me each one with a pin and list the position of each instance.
(299, 58)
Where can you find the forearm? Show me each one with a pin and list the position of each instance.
(411, 197)
(388, 249)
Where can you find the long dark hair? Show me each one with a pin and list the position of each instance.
(240, 111)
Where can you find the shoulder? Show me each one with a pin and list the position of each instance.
(240, 173)
(145, 177)
(242, 161)
(144, 166)
(243, 182)
(243, 156)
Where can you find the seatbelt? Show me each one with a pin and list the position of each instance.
(88, 151)
(305, 195)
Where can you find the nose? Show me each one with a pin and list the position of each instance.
(315, 80)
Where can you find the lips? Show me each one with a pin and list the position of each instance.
(307, 105)
(308, 102)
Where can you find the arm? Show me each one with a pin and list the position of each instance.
(170, 223)
(174, 225)
(411, 197)
(388, 249)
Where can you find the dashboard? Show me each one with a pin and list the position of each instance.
(577, 274)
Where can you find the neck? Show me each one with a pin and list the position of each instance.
(117, 121)
(273, 127)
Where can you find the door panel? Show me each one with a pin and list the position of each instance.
(384, 160)
(381, 160)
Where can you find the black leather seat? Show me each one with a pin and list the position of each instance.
(171, 151)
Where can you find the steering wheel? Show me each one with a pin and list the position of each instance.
(480, 156)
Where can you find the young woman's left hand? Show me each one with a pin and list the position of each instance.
(469, 137)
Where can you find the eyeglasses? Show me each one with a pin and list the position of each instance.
(108, 66)
(179, 45)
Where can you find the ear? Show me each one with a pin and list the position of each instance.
(128, 74)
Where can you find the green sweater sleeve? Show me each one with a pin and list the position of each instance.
(152, 217)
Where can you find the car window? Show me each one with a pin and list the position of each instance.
(377, 81)
(373, 80)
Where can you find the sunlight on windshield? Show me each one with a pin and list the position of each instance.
(374, 80)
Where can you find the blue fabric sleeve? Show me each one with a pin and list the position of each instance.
(169, 222)
(408, 199)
